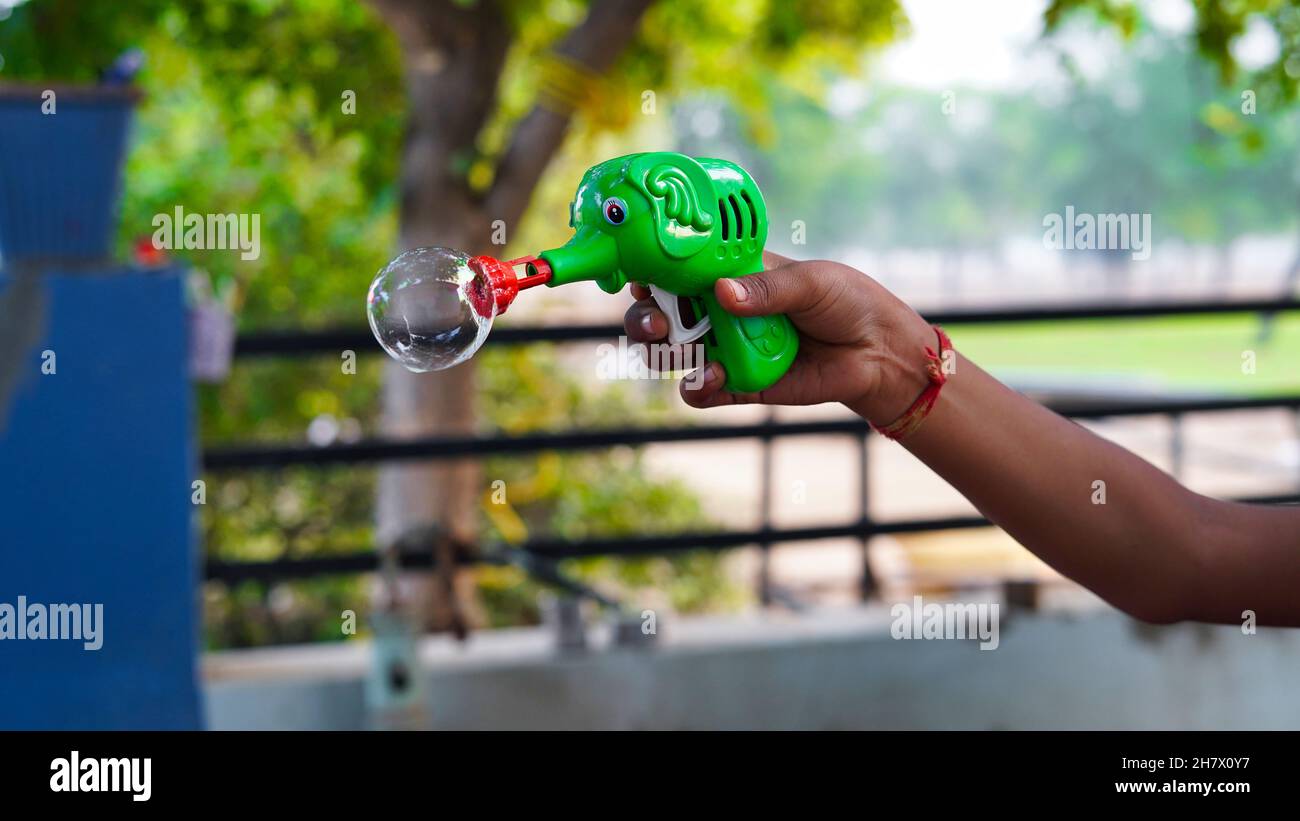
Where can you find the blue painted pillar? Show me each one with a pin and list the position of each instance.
(97, 458)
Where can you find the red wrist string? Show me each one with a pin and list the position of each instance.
(905, 425)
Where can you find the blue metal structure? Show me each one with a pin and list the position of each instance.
(96, 464)
(60, 169)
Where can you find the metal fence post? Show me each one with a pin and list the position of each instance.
(765, 514)
(867, 584)
(1297, 447)
(1177, 446)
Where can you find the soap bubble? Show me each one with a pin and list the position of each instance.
(429, 309)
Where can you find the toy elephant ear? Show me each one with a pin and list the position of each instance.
(681, 193)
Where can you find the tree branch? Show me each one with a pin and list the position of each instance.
(594, 44)
(453, 54)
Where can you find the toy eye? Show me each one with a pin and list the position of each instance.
(615, 211)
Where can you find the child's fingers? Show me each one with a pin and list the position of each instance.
(647, 327)
(663, 358)
(774, 260)
(702, 388)
(644, 322)
(789, 289)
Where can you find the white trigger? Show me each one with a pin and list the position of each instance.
(678, 334)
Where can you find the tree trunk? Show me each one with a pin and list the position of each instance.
(453, 55)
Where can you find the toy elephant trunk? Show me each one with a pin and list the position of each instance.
(678, 224)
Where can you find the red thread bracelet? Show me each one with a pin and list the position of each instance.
(912, 418)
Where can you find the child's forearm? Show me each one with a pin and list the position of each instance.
(1089, 508)
(1104, 517)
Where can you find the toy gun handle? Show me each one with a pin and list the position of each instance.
(756, 351)
(678, 332)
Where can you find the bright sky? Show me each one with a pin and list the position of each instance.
(991, 44)
(964, 43)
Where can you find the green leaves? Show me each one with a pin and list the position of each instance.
(245, 113)
(1219, 25)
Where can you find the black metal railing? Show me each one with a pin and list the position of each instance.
(259, 456)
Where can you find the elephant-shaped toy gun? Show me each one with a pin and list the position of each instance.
(668, 221)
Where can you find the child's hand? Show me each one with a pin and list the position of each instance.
(859, 344)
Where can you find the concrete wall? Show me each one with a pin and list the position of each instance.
(828, 671)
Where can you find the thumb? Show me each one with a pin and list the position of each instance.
(788, 289)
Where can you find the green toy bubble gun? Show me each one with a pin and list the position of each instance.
(670, 222)
(677, 225)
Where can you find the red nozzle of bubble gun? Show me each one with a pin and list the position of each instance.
(505, 283)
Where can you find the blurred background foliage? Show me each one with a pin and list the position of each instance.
(243, 114)
(1219, 24)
